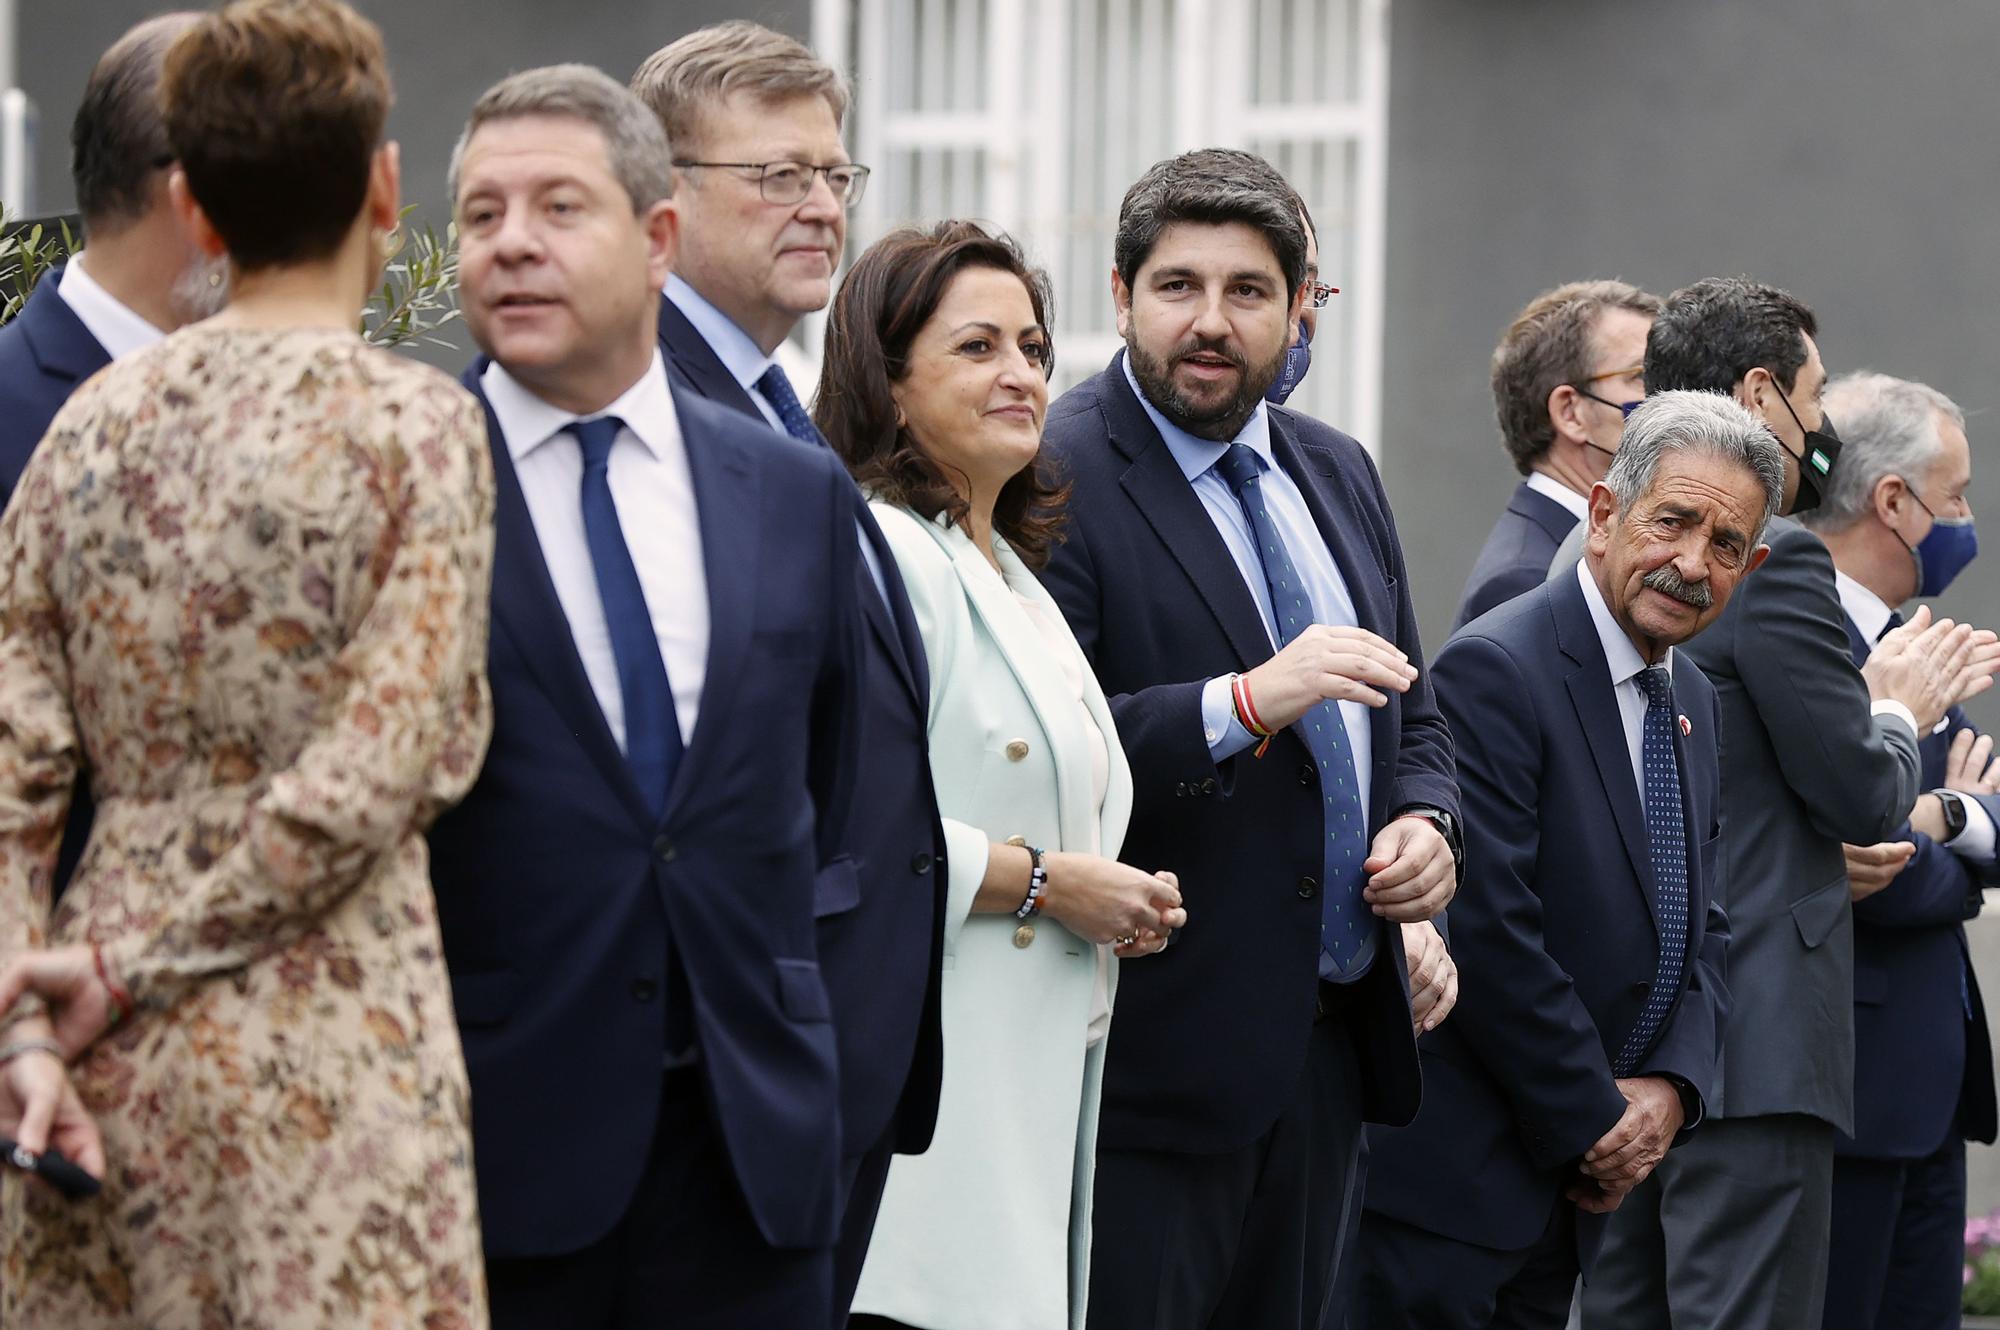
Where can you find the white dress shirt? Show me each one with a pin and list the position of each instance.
(732, 346)
(1549, 487)
(113, 323)
(1871, 615)
(1626, 664)
(653, 491)
(1332, 603)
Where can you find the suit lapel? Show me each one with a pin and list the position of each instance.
(1167, 501)
(727, 486)
(892, 621)
(697, 366)
(1603, 726)
(1555, 520)
(527, 608)
(56, 337)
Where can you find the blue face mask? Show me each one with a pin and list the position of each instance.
(1298, 359)
(1943, 553)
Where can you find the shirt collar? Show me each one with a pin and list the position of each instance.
(1549, 487)
(118, 329)
(732, 346)
(1868, 610)
(1620, 655)
(1196, 456)
(528, 422)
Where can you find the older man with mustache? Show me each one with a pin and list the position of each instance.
(1588, 940)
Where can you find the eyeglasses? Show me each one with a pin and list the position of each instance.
(1320, 293)
(1623, 408)
(790, 182)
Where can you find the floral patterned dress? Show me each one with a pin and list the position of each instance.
(244, 583)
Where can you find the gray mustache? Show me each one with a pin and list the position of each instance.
(1669, 582)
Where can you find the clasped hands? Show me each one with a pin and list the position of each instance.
(39, 1106)
(1627, 1154)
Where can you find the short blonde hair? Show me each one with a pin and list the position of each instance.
(680, 81)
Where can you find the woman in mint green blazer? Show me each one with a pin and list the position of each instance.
(934, 391)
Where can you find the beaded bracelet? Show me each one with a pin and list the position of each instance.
(1038, 883)
(121, 997)
(1246, 712)
(8, 1052)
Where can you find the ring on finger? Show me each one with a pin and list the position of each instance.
(1126, 939)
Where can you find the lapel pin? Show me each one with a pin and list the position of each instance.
(1686, 728)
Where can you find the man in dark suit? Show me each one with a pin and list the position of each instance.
(1232, 572)
(140, 277)
(1565, 375)
(1898, 525)
(1588, 940)
(1731, 1230)
(627, 895)
(752, 259)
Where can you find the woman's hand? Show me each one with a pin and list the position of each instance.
(1102, 900)
(39, 1107)
(1149, 942)
(66, 979)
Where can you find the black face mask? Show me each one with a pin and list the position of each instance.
(1823, 447)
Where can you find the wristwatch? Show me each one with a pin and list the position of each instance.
(1954, 813)
(1447, 826)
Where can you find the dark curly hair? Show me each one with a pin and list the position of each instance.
(889, 295)
(1710, 334)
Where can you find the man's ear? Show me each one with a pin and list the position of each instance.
(662, 223)
(1121, 301)
(1603, 512)
(1563, 408)
(1887, 499)
(1757, 556)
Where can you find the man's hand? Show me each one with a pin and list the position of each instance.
(1324, 663)
(1930, 667)
(1597, 1198)
(1873, 867)
(1638, 1141)
(1969, 766)
(1412, 875)
(1433, 975)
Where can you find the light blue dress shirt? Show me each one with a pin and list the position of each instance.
(746, 364)
(1331, 602)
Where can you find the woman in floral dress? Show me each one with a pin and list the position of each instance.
(243, 587)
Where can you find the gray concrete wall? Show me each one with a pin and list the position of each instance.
(442, 54)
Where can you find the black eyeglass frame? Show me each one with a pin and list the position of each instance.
(848, 195)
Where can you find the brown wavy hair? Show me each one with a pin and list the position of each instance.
(889, 295)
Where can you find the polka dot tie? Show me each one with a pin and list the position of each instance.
(1346, 927)
(1666, 831)
(777, 390)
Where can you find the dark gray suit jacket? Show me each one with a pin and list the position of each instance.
(1804, 767)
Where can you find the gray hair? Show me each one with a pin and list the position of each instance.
(686, 79)
(633, 139)
(1890, 428)
(1211, 186)
(1696, 422)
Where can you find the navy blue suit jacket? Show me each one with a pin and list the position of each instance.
(1922, 1057)
(561, 894)
(881, 905)
(1554, 930)
(1516, 555)
(1211, 1034)
(45, 352)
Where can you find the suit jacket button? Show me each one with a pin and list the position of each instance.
(1024, 935)
(1308, 888)
(1306, 776)
(1180, 790)
(1017, 749)
(664, 851)
(644, 990)
(920, 864)
(1018, 842)
(1208, 785)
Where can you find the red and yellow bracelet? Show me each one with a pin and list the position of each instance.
(1246, 712)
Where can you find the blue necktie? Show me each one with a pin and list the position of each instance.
(652, 733)
(1666, 831)
(1346, 926)
(777, 390)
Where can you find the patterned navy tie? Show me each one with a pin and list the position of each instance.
(652, 732)
(777, 390)
(1666, 830)
(1346, 926)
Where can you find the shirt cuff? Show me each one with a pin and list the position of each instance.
(1889, 706)
(1224, 734)
(1976, 842)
